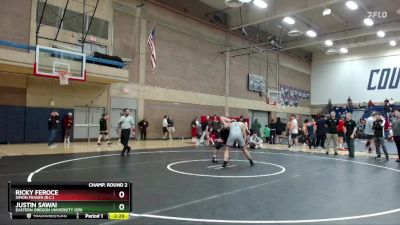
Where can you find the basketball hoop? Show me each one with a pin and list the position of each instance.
(64, 76)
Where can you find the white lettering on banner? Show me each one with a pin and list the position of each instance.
(366, 79)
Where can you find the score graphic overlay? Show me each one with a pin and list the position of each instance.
(88, 200)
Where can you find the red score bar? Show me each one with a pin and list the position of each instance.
(107, 194)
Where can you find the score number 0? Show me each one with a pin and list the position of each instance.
(121, 194)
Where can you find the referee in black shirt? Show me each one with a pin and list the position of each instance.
(332, 133)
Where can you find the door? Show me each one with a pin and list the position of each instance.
(262, 118)
(81, 122)
(86, 122)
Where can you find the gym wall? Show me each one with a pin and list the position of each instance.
(182, 114)
(15, 17)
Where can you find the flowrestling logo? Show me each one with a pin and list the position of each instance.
(386, 78)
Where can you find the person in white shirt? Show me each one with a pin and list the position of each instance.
(255, 141)
(126, 123)
(294, 130)
(165, 127)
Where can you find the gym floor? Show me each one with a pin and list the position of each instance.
(182, 186)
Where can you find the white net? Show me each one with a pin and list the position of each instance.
(64, 77)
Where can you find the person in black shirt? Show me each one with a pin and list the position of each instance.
(143, 125)
(351, 129)
(280, 128)
(103, 129)
(272, 136)
(321, 131)
(171, 128)
(52, 123)
(378, 127)
(332, 133)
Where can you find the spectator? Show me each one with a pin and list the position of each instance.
(68, 125)
(378, 127)
(321, 132)
(194, 129)
(370, 104)
(369, 132)
(255, 141)
(165, 127)
(215, 124)
(386, 108)
(143, 125)
(310, 132)
(53, 122)
(396, 131)
(391, 104)
(294, 130)
(341, 131)
(280, 129)
(204, 128)
(267, 134)
(256, 126)
(349, 103)
(103, 133)
(272, 137)
(171, 128)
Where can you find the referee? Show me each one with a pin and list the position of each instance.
(126, 123)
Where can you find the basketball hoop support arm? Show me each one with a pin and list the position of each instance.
(62, 18)
(40, 22)
(90, 23)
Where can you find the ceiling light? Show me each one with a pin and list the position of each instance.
(289, 20)
(326, 12)
(368, 22)
(260, 3)
(344, 50)
(381, 34)
(328, 43)
(351, 5)
(392, 43)
(311, 33)
(245, 1)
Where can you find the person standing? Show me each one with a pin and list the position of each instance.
(171, 128)
(369, 132)
(267, 134)
(310, 132)
(332, 134)
(341, 131)
(126, 123)
(294, 130)
(396, 131)
(351, 129)
(68, 124)
(165, 127)
(272, 137)
(321, 132)
(194, 129)
(52, 123)
(215, 124)
(143, 125)
(280, 129)
(378, 126)
(103, 129)
(256, 126)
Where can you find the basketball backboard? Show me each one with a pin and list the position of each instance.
(274, 97)
(50, 62)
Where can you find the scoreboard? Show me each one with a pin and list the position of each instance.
(83, 200)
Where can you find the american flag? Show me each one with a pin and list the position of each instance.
(152, 44)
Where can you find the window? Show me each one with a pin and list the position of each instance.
(72, 20)
(51, 15)
(98, 28)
